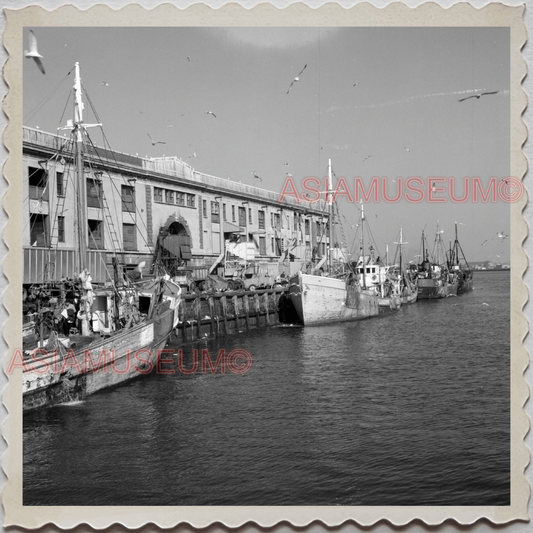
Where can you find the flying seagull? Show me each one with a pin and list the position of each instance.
(407, 149)
(33, 52)
(210, 113)
(155, 142)
(366, 158)
(296, 79)
(478, 96)
(355, 84)
(256, 176)
(105, 83)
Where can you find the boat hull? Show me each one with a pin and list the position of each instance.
(397, 301)
(453, 288)
(321, 300)
(410, 298)
(465, 286)
(393, 303)
(106, 362)
(431, 288)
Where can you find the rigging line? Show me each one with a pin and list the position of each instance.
(119, 193)
(91, 236)
(107, 147)
(65, 108)
(38, 107)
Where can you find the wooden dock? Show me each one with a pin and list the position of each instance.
(215, 314)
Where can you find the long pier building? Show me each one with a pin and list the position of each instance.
(141, 209)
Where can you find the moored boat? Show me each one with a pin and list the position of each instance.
(334, 294)
(83, 337)
(323, 299)
(459, 264)
(434, 279)
(402, 284)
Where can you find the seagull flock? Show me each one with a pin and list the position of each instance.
(34, 54)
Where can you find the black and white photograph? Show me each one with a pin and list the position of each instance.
(268, 266)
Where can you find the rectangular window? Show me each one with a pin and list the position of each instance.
(158, 194)
(38, 178)
(261, 219)
(180, 198)
(307, 227)
(60, 184)
(249, 215)
(204, 208)
(262, 246)
(96, 234)
(190, 200)
(277, 220)
(38, 230)
(242, 216)
(94, 193)
(224, 211)
(233, 213)
(128, 198)
(215, 212)
(169, 197)
(129, 236)
(60, 229)
(295, 221)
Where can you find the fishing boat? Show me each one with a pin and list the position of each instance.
(433, 280)
(332, 291)
(400, 282)
(459, 265)
(377, 279)
(82, 337)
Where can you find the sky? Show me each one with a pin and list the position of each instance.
(378, 102)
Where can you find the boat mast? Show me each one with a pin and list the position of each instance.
(81, 183)
(330, 226)
(456, 247)
(401, 243)
(363, 243)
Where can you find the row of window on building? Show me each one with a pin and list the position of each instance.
(38, 189)
(42, 235)
(166, 196)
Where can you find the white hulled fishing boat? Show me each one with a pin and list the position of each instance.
(334, 294)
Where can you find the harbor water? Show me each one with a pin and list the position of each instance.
(406, 409)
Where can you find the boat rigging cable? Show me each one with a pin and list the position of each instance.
(40, 105)
(107, 147)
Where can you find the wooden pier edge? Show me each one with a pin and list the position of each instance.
(206, 315)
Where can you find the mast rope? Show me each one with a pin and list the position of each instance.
(40, 105)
